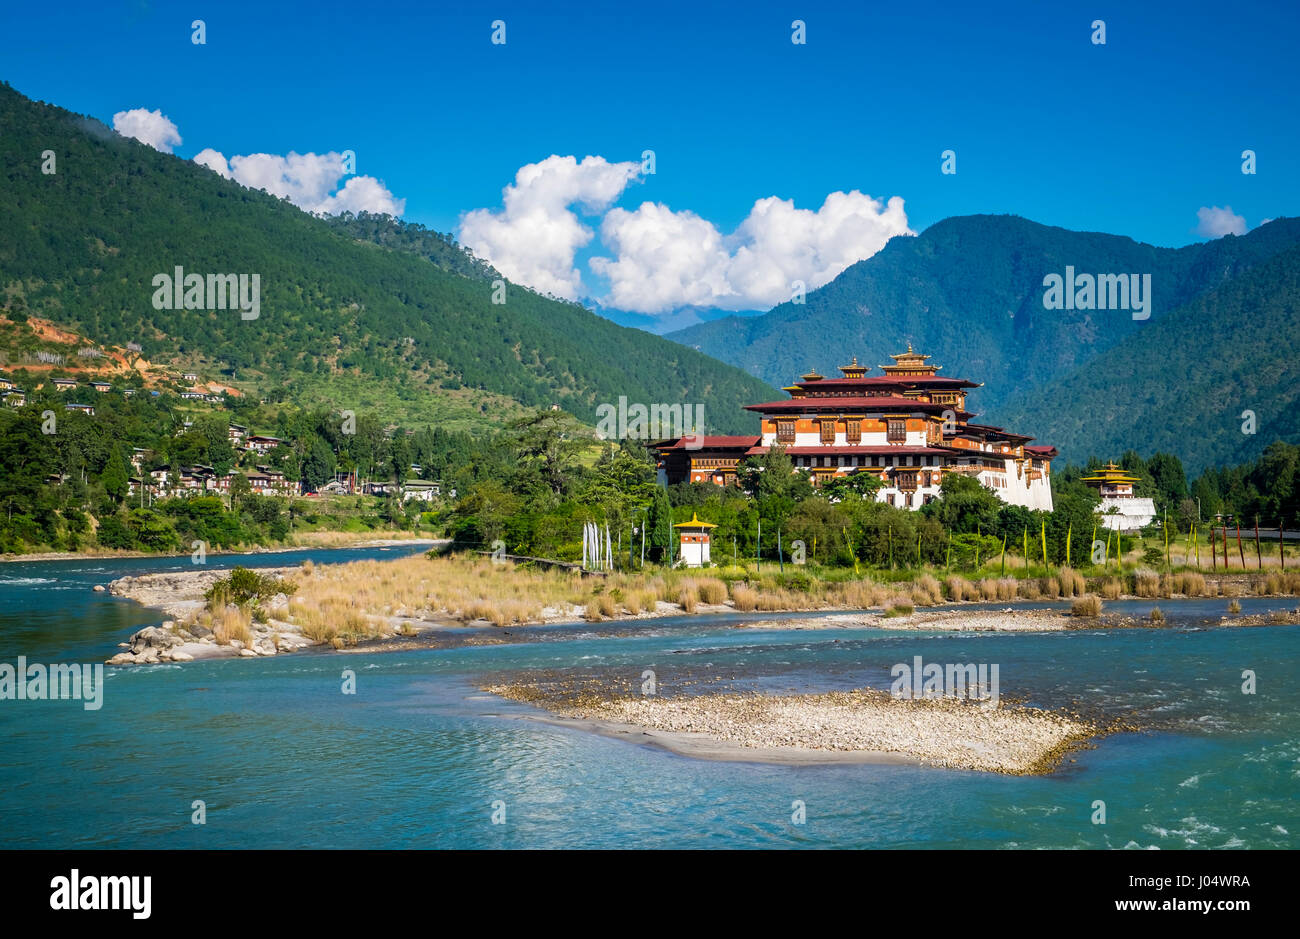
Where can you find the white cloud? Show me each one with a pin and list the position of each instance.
(308, 180)
(150, 127)
(534, 237)
(1215, 222)
(213, 160)
(665, 259)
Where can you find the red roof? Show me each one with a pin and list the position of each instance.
(859, 451)
(991, 430)
(853, 403)
(1040, 449)
(709, 443)
(915, 381)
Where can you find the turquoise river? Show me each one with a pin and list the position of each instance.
(418, 757)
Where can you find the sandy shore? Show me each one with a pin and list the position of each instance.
(952, 617)
(862, 726)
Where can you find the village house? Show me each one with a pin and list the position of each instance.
(266, 481)
(87, 409)
(908, 427)
(101, 386)
(420, 490)
(260, 444)
(63, 384)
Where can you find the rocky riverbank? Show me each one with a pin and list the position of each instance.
(182, 638)
(861, 726)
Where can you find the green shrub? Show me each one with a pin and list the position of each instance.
(243, 586)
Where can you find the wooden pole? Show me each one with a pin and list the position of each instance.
(1240, 550)
(1259, 558)
(1168, 561)
(1004, 554)
(1281, 548)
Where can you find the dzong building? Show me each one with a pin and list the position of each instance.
(908, 426)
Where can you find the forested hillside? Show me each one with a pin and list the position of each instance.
(406, 326)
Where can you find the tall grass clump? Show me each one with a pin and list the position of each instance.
(1072, 583)
(1087, 605)
(926, 591)
(688, 595)
(712, 591)
(744, 597)
(1146, 584)
(232, 622)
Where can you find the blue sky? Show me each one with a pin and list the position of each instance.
(1130, 137)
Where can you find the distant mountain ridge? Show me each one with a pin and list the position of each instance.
(364, 313)
(969, 292)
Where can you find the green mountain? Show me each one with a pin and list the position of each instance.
(969, 291)
(1184, 384)
(360, 313)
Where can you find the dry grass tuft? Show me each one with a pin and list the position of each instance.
(1146, 584)
(1088, 605)
(232, 622)
(712, 591)
(1072, 583)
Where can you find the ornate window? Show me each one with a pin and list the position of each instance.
(785, 431)
(828, 432)
(853, 432)
(896, 431)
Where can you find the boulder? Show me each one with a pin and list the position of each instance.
(179, 656)
(98, 588)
